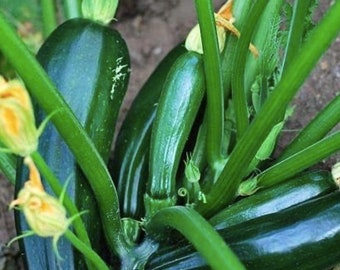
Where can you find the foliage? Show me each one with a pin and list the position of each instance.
(210, 135)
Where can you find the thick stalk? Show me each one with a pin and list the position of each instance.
(239, 96)
(87, 156)
(199, 232)
(240, 11)
(212, 69)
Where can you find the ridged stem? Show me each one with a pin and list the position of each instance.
(213, 76)
(239, 96)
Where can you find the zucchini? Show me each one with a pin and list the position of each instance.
(178, 106)
(292, 192)
(305, 236)
(89, 64)
(129, 165)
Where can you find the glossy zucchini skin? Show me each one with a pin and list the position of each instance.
(129, 166)
(305, 236)
(279, 197)
(178, 105)
(89, 64)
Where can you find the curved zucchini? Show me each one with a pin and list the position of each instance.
(89, 64)
(129, 166)
(178, 105)
(297, 190)
(305, 236)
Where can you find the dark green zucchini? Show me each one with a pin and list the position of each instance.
(89, 64)
(178, 105)
(130, 163)
(305, 236)
(292, 192)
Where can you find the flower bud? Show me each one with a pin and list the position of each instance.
(18, 132)
(192, 172)
(193, 41)
(45, 214)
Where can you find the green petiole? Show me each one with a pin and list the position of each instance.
(212, 69)
(199, 232)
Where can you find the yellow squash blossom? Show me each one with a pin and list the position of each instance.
(45, 214)
(18, 132)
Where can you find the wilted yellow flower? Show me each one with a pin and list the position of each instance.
(45, 215)
(224, 22)
(226, 11)
(224, 18)
(18, 132)
(193, 41)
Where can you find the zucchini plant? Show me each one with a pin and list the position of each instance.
(192, 181)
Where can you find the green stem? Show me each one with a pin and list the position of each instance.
(272, 111)
(212, 68)
(199, 232)
(240, 56)
(241, 52)
(48, 16)
(87, 156)
(8, 166)
(88, 253)
(296, 30)
(72, 9)
(101, 11)
(321, 124)
(240, 11)
(298, 162)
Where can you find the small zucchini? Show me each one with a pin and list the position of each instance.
(292, 192)
(89, 64)
(305, 236)
(129, 166)
(179, 103)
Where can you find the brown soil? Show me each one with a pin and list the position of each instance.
(151, 28)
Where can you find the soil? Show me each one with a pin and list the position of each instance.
(151, 28)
